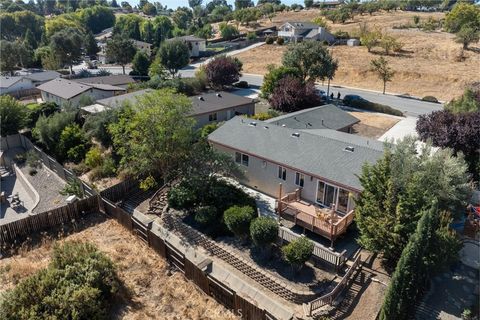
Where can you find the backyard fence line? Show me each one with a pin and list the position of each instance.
(320, 253)
(194, 273)
(12, 234)
(21, 141)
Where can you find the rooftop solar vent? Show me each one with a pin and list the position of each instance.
(265, 127)
(349, 149)
(296, 135)
(253, 124)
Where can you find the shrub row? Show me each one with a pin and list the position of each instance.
(371, 106)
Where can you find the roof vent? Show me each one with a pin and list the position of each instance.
(253, 124)
(283, 125)
(349, 149)
(201, 98)
(296, 135)
(219, 95)
(265, 127)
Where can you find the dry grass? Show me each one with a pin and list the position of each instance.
(152, 293)
(428, 66)
(372, 125)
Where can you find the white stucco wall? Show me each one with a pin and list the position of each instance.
(23, 84)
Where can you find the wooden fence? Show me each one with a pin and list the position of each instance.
(14, 232)
(119, 191)
(20, 141)
(320, 253)
(330, 297)
(214, 288)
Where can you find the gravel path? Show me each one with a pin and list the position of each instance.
(48, 186)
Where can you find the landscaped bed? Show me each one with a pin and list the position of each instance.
(372, 125)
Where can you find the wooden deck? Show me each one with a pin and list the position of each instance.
(323, 221)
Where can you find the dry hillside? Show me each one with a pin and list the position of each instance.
(428, 65)
(153, 293)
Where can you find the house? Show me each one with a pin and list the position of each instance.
(206, 108)
(328, 116)
(298, 31)
(313, 173)
(143, 46)
(139, 45)
(25, 82)
(63, 91)
(14, 84)
(196, 45)
(117, 80)
(324, 4)
(104, 35)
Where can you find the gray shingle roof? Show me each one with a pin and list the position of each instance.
(8, 81)
(327, 116)
(113, 80)
(323, 156)
(215, 101)
(68, 89)
(187, 38)
(43, 76)
(303, 24)
(117, 101)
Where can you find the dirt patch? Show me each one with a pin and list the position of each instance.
(427, 66)
(154, 294)
(372, 125)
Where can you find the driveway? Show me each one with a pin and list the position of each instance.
(401, 129)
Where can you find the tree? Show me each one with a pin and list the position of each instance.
(241, 4)
(370, 39)
(468, 102)
(384, 72)
(8, 52)
(174, 55)
(72, 145)
(298, 252)
(397, 188)
(424, 254)
(467, 34)
(389, 43)
(461, 15)
(149, 9)
(90, 44)
(205, 32)
(194, 3)
(321, 22)
(228, 31)
(162, 30)
(264, 232)
(181, 17)
(12, 115)
(458, 131)
(311, 59)
(48, 129)
(120, 50)
(274, 75)
(222, 71)
(96, 126)
(308, 3)
(291, 94)
(146, 31)
(155, 135)
(237, 219)
(140, 64)
(128, 25)
(97, 18)
(67, 46)
(46, 109)
(47, 58)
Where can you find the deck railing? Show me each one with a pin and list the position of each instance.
(311, 307)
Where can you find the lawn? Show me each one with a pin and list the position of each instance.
(428, 65)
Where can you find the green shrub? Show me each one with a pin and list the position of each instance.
(109, 167)
(264, 231)
(372, 106)
(298, 252)
(237, 219)
(181, 197)
(93, 158)
(341, 34)
(207, 215)
(207, 129)
(430, 99)
(241, 84)
(251, 36)
(33, 159)
(73, 187)
(269, 40)
(79, 283)
(262, 116)
(280, 41)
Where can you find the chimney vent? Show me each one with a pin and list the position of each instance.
(201, 98)
(296, 135)
(350, 149)
(219, 95)
(253, 124)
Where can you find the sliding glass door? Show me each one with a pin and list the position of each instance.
(328, 194)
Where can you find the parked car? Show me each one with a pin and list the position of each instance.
(321, 93)
(92, 64)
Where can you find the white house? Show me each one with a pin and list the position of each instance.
(196, 45)
(62, 91)
(14, 84)
(297, 31)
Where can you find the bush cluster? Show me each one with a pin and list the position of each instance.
(77, 284)
(298, 252)
(372, 106)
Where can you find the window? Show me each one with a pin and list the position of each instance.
(282, 173)
(241, 158)
(245, 160)
(342, 200)
(212, 117)
(326, 194)
(299, 179)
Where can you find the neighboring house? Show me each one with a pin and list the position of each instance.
(297, 31)
(117, 80)
(308, 171)
(197, 46)
(140, 45)
(63, 91)
(143, 46)
(327, 116)
(206, 108)
(41, 77)
(14, 84)
(328, 4)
